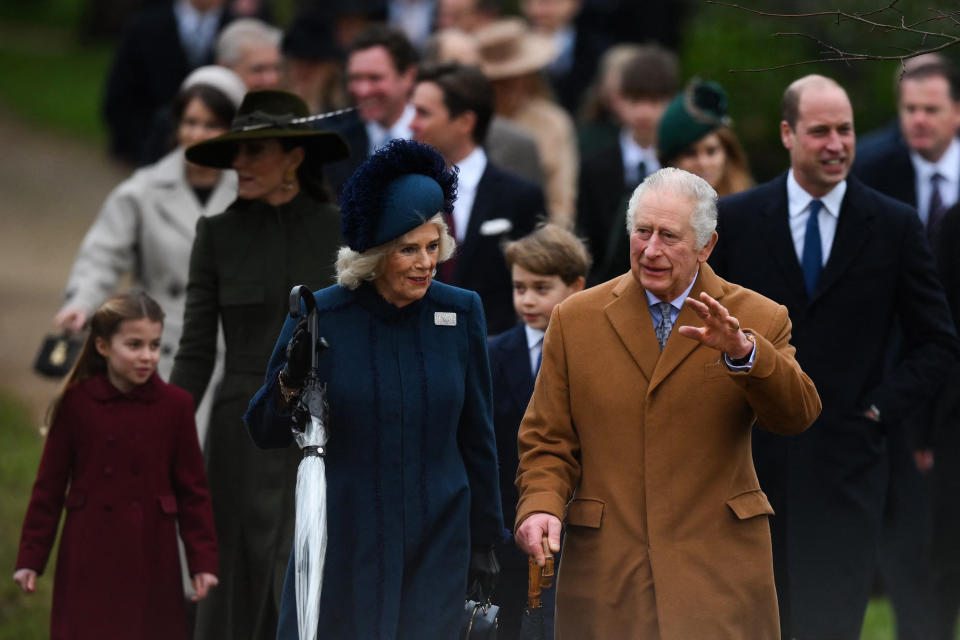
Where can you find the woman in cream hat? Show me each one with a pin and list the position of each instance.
(512, 57)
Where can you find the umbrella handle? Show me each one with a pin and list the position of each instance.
(303, 292)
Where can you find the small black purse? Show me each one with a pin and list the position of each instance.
(480, 620)
(57, 354)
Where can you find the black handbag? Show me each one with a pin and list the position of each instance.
(57, 354)
(480, 620)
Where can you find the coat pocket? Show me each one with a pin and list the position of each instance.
(168, 504)
(76, 499)
(585, 512)
(241, 293)
(750, 504)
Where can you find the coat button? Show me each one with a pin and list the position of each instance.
(166, 350)
(175, 290)
(108, 507)
(108, 471)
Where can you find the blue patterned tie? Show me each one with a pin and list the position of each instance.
(812, 262)
(666, 323)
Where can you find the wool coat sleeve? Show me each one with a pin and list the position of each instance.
(195, 512)
(47, 500)
(197, 353)
(475, 436)
(776, 381)
(930, 345)
(548, 441)
(108, 251)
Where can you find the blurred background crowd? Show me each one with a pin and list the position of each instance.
(587, 96)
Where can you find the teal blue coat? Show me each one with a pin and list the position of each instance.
(411, 461)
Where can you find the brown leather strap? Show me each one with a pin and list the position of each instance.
(539, 578)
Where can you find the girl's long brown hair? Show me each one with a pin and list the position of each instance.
(104, 324)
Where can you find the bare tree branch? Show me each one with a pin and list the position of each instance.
(873, 20)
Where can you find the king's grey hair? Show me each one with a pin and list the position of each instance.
(243, 33)
(355, 268)
(703, 219)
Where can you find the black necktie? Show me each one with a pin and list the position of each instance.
(812, 262)
(935, 210)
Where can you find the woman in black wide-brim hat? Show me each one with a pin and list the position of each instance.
(282, 230)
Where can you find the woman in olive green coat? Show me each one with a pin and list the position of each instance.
(281, 231)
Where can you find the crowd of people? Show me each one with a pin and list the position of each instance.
(558, 311)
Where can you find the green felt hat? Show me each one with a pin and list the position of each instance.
(701, 108)
(270, 114)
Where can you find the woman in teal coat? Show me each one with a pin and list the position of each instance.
(413, 494)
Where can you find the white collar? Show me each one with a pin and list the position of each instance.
(186, 11)
(534, 336)
(947, 166)
(798, 199)
(472, 168)
(399, 129)
(676, 303)
(634, 153)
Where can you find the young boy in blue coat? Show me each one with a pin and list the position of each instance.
(546, 266)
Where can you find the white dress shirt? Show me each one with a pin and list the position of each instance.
(379, 136)
(798, 203)
(633, 154)
(534, 347)
(471, 170)
(948, 166)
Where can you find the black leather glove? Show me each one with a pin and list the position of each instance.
(483, 573)
(298, 356)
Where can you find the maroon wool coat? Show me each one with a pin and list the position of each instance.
(134, 471)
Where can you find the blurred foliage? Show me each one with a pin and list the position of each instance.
(720, 39)
(21, 616)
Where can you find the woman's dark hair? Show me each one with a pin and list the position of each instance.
(104, 323)
(219, 104)
(310, 172)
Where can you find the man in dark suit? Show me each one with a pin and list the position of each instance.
(851, 265)
(161, 45)
(916, 161)
(453, 107)
(609, 174)
(381, 69)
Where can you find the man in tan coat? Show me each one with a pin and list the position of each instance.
(644, 449)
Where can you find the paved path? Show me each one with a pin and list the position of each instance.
(51, 189)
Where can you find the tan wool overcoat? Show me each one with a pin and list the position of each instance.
(646, 458)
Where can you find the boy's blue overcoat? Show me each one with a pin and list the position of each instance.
(411, 461)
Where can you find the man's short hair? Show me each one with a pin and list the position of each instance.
(398, 46)
(703, 219)
(464, 89)
(790, 104)
(940, 69)
(243, 33)
(550, 250)
(651, 72)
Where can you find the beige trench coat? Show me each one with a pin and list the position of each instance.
(647, 458)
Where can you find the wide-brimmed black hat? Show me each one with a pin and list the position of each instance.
(270, 114)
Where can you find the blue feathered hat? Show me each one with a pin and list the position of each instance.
(398, 188)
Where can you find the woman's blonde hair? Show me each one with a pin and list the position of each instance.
(355, 268)
(104, 323)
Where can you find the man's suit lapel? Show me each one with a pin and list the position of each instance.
(478, 214)
(629, 315)
(516, 366)
(679, 347)
(778, 240)
(852, 232)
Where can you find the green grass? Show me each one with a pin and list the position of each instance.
(51, 80)
(21, 616)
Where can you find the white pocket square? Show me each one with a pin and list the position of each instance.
(495, 227)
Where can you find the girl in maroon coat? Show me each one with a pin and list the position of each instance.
(122, 456)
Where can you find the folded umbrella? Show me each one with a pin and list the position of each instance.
(534, 625)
